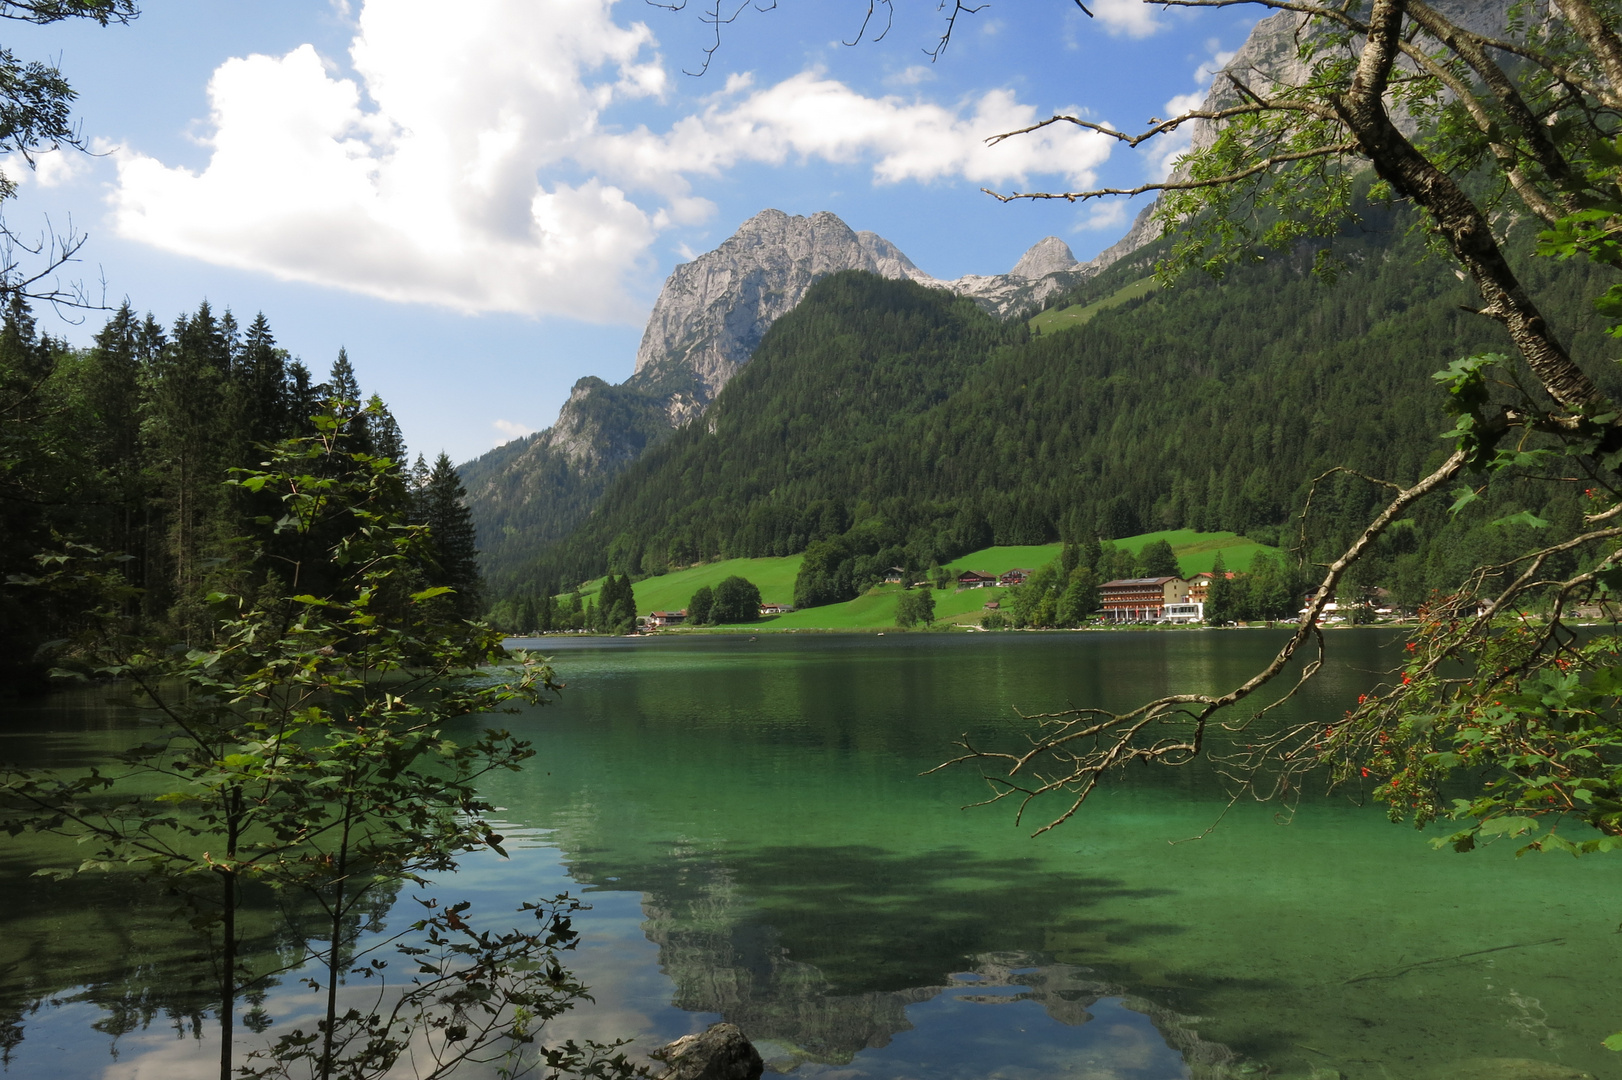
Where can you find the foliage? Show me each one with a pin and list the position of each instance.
(915, 606)
(36, 117)
(302, 746)
(699, 607)
(1156, 560)
(125, 447)
(736, 600)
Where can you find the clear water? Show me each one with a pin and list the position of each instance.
(748, 821)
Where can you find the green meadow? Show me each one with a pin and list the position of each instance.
(1056, 319)
(875, 609)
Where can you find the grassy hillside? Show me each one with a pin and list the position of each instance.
(1055, 319)
(875, 609)
(1195, 551)
(670, 592)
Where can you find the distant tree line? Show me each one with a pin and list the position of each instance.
(128, 446)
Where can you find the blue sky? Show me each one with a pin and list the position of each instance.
(479, 201)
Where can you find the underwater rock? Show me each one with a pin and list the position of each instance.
(1508, 1069)
(719, 1053)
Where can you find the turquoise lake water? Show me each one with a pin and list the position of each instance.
(748, 821)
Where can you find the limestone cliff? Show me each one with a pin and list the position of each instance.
(713, 311)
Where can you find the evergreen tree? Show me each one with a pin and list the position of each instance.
(443, 508)
(188, 433)
(388, 441)
(265, 405)
(303, 397)
(342, 385)
(341, 381)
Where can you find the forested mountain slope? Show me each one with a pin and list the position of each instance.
(914, 427)
(711, 315)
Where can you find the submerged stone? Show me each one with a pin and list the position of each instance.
(720, 1052)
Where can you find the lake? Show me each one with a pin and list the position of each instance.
(748, 821)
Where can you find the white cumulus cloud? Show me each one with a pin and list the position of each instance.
(511, 429)
(467, 161)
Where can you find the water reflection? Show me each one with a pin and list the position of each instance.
(751, 823)
(824, 954)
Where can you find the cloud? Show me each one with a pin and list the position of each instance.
(52, 168)
(511, 429)
(1103, 214)
(468, 163)
(811, 116)
(1127, 18)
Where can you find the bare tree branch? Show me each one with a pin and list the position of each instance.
(1339, 149)
(1114, 737)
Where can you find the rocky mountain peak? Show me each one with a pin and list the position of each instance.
(1050, 255)
(713, 311)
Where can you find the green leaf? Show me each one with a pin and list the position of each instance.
(1462, 498)
(1614, 1042)
(429, 594)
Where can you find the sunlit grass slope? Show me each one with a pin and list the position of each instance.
(1195, 551)
(670, 592)
(876, 608)
(1056, 319)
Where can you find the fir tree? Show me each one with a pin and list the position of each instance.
(388, 441)
(443, 504)
(261, 382)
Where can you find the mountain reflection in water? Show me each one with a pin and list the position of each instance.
(748, 821)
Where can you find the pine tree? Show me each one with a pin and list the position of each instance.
(341, 381)
(303, 397)
(262, 386)
(342, 385)
(388, 441)
(443, 503)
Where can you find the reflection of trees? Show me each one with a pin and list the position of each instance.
(125, 944)
(824, 948)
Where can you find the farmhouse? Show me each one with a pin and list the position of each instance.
(776, 609)
(1012, 577)
(667, 618)
(1199, 586)
(973, 579)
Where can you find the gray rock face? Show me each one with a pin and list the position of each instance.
(713, 311)
(719, 1053)
(1049, 255)
(1046, 268)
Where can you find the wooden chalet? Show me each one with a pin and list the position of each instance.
(1015, 576)
(776, 609)
(973, 579)
(1199, 586)
(667, 618)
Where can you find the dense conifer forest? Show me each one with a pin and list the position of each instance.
(126, 448)
(882, 423)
